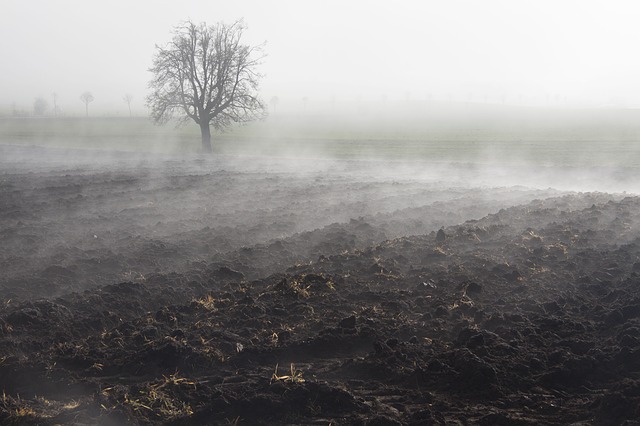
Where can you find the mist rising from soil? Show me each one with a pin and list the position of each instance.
(462, 144)
(303, 170)
(122, 200)
(115, 216)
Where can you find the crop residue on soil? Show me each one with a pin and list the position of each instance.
(185, 292)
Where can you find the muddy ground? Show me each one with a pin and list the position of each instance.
(138, 290)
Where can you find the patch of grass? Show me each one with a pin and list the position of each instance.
(294, 376)
(472, 135)
(292, 287)
(207, 302)
(159, 400)
(122, 134)
(15, 410)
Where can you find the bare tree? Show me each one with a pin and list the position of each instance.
(55, 104)
(128, 98)
(40, 106)
(86, 98)
(205, 74)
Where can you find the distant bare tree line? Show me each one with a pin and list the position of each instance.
(41, 107)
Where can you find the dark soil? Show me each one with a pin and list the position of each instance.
(190, 293)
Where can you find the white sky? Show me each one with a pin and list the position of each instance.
(582, 52)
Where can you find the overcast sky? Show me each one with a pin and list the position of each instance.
(539, 52)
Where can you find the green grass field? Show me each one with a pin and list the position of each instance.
(545, 137)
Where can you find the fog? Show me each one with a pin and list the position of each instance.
(471, 94)
(436, 187)
(570, 53)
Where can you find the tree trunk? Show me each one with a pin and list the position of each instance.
(206, 136)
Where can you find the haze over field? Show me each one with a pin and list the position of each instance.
(544, 53)
(427, 212)
(516, 89)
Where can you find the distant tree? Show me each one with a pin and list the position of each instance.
(207, 75)
(55, 104)
(86, 98)
(40, 106)
(128, 98)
